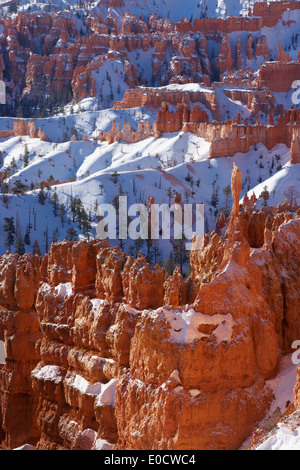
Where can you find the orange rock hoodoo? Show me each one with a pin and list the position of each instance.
(104, 351)
(21, 128)
(226, 138)
(127, 134)
(47, 53)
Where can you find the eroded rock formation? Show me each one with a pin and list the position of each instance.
(57, 54)
(104, 352)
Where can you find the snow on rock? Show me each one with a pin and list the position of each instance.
(80, 384)
(25, 447)
(97, 303)
(102, 444)
(64, 290)
(48, 373)
(285, 438)
(107, 395)
(185, 325)
(283, 384)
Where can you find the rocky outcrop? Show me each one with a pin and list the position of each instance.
(232, 137)
(295, 147)
(127, 134)
(20, 331)
(182, 119)
(105, 352)
(224, 59)
(279, 76)
(55, 54)
(22, 128)
(156, 97)
(188, 390)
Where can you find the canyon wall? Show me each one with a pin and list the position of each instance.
(155, 98)
(56, 54)
(226, 138)
(103, 352)
(127, 134)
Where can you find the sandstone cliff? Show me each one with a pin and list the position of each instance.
(55, 54)
(104, 352)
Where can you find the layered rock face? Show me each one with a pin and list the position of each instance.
(127, 134)
(20, 330)
(279, 76)
(56, 54)
(156, 98)
(229, 138)
(22, 128)
(104, 352)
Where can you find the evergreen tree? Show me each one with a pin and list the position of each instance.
(85, 223)
(26, 157)
(19, 187)
(62, 213)
(169, 265)
(215, 196)
(180, 253)
(71, 234)
(13, 164)
(19, 246)
(54, 238)
(265, 195)
(54, 201)
(42, 196)
(169, 194)
(9, 228)
(27, 238)
(46, 235)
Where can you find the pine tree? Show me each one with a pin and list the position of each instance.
(169, 265)
(54, 201)
(54, 238)
(42, 196)
(9, 228)
(265, 195)
(71, 234)
(180, 253)
(13, 164)
(215, 196)
(46, 235)
(19, 246)
(26, 157)
(169, 194)
(62, 213)
(27, 238)
(85, 223)
(19, 187)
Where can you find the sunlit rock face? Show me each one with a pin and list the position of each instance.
(103, 352)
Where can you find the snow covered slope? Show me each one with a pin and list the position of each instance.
(172, 9)
(176, 9)
(97, 172)
(279, 430)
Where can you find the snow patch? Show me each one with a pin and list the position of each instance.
(107, 395)
(185, 325)
(48, 373)
(82, 385)
(284, 439)
(63, 290)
